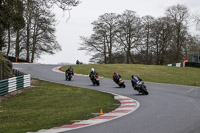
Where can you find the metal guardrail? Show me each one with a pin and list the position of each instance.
(18, 73)
(176, 64)
(16, 83)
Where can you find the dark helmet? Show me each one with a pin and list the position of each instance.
(133, 76)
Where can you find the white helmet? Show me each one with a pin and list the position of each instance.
(92, 69)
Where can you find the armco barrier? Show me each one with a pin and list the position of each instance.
(192, 64)
(15, 83)
(176, 65)
(186, 64)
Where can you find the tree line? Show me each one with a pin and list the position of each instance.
(128, 38)
(27, 27)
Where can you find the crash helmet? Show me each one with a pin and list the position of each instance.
(92, 69)
(133, 76)
(115, 73)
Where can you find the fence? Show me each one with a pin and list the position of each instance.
(192, 64)
(15, 59)
(176, 65)
(186, 64)
(15, 83)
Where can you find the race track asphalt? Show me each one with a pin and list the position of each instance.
(167, 109)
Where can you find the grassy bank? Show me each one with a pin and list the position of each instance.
(5, 67)
(48, 105)
(151, 73)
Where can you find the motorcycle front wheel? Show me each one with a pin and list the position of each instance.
(98, 83)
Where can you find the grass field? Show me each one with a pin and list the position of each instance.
(152, 73)
(48, 105)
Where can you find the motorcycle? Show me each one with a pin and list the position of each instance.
(95, 80)
(140, 87)
(121, 83)
(68, 76)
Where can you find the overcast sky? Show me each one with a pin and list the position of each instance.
(68, 33)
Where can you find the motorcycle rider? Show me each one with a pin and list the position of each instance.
(70, 69)
(135, 80)
(116, 77)
(92, 73)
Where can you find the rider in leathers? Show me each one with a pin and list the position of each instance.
(135, 80)
(116, 77)
(70, 69)
(92, 73)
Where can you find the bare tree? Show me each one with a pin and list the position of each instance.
(43, 30)
(129, 32)
(95, 44)
(36, 35)
(147, 26)
(178, 14)
(196, 19)
(103, 39)
(11, 18)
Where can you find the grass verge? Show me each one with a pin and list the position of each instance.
(152, 73)
(5, 67)
(49, 104)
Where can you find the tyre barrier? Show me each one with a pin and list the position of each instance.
(16, 83)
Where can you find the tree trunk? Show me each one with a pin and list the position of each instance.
(178, 47)
(17, 44)
(28, 33)
(128, 55)
(132, 56)
(33, 53)
(1, 40)
(129, 48)
(104, 52)
(110, 50)
(147, 52)
(27, 43)
(34, 43)
(157, 52)
(8, 50)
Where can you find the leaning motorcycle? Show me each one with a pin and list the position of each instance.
(95, 80)
(68, 76)
(140, 87)
(121, 83)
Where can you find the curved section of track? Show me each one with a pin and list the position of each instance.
(167, 109)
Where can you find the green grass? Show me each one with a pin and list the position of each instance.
(48, 105)
(2, 57)
(152, 73)
(5, 67)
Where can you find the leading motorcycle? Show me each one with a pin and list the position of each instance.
(95, 80)
(68, 76)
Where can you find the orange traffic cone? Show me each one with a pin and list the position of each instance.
(101, 112)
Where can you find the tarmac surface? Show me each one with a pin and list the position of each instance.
(167, 109)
